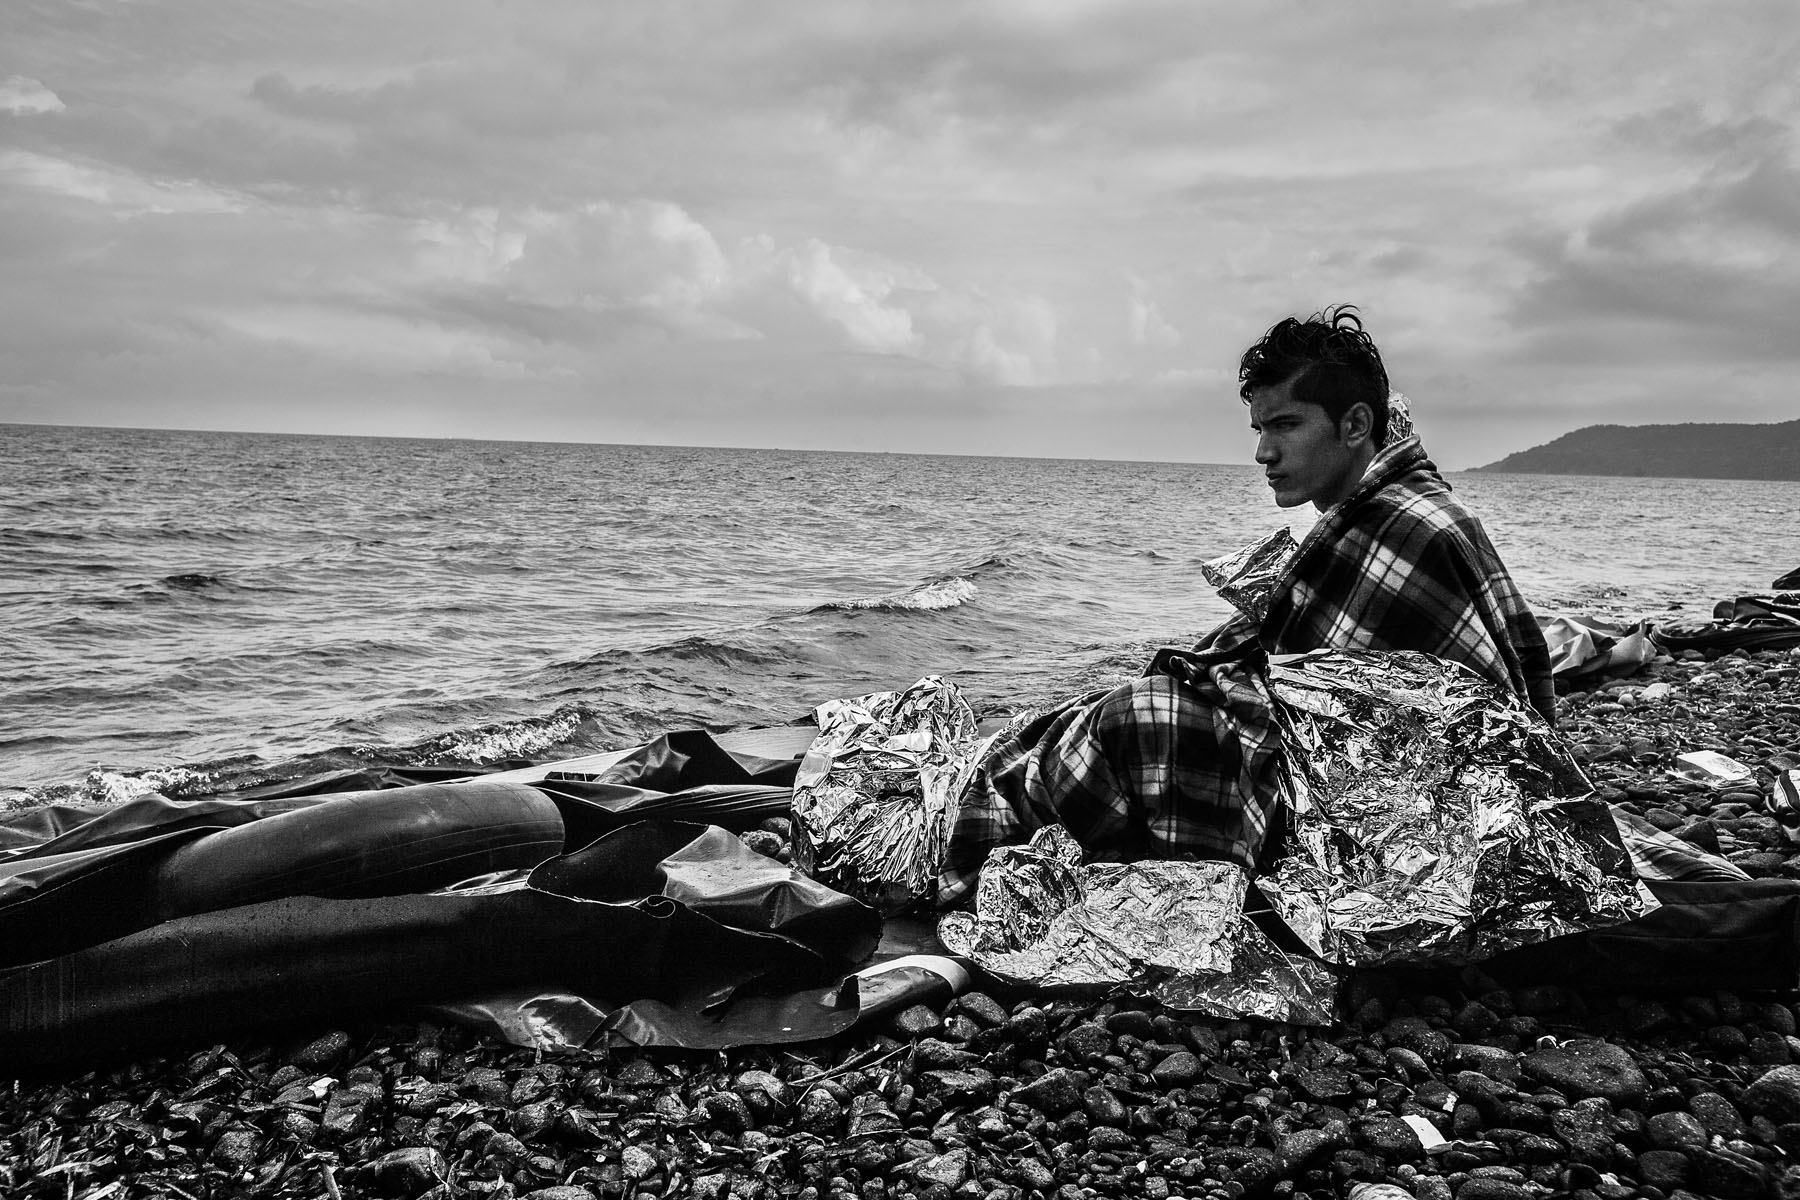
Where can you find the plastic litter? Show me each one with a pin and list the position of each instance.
(1713, 769)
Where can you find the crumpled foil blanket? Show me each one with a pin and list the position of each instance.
(875, 792)
(1174, 931)
(1433, 818)
(1247, 577)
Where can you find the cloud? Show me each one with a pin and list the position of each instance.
(24, 96)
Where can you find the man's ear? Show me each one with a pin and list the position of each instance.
(1358, 424)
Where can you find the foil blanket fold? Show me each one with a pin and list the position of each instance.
(1247, 578)
(1172, 930)
(875, 793)
(1432, 819)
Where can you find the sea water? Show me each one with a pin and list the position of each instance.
(191, 612)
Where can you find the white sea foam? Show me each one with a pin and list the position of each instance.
(118, 787)
(521, 740)
(929, 597)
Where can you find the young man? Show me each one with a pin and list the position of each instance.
(1181, 762)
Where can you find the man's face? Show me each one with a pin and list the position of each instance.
(1304, 454)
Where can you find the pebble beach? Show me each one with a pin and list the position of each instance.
(1570, 1088)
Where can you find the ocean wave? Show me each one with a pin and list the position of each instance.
(119, 787)
(527, 738)
(935, 596)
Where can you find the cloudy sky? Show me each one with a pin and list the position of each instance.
(1016, 226)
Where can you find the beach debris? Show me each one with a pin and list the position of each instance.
(1713, 769)
(1247, 578)
(1432, 818)
(875, 792)
(1173, 931)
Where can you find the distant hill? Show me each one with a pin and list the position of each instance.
(1670, 451)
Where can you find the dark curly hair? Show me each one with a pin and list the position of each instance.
(1331, 360)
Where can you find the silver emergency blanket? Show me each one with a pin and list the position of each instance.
(1434, 819)
(875, 793)
(1247, 577)
(1400, 424)
(1172, 930)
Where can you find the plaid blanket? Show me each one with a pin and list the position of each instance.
(1181, 763)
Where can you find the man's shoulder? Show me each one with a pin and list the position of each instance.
(1413, 505)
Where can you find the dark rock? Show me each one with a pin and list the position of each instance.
(1663, 1169)
(349, 1112)
(916, 1022)
(323, 1053)
(1305, 1147)
(1054, 1092)
(236, 1149)
(1488, 1188)
(1107, 1138)
(728, 1111)
(1587, 1128)
(1723, 1173)
(1177, 1070)
(980, 1006)
(1490, 1061)
(1716, 1114)
(1033, 1174)
(1675, 1131)
(950, 1169)
(959, 1087)
(1391, 1138)
(1324, 1084)
(1776, 1095)
(1649, 1016)
(1589, 1069)
(1028, 1025)
(1087, 1041)
(408, 1171)
(1103, 1107)
(820, 1113)
(1132, 1022)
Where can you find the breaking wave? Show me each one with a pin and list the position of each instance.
(935, 596)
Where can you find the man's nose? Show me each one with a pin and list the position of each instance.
(1265, 450)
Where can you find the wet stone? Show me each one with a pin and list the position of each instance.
(917, 1022)
(408, 1171)
(820, 1112)
(1675, 1131)
(1132, 1022)
(1391, 1138)
(1776, 1095)
(1177, 1070)
(981, 1007)
(1487, 1188)
(1589, 1069)
(236, 1149)
(1586, 1127)
(728, 1111)
(1087, 1041)
(1103, 1107)
(1723, 1173)
(323, 1053)
(1491, 1061)
(1305, 1147)
(1054, 1092)
(949, 1170)
(1716, 1114)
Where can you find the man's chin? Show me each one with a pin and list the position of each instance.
(1290, 499)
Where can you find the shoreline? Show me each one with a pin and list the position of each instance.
(1002, 1095)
